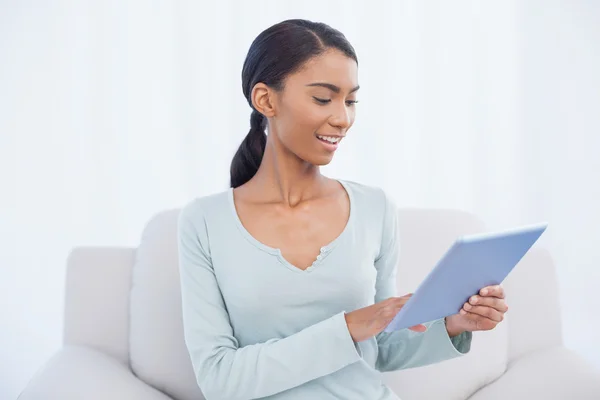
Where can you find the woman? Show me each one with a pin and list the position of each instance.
(288, 278)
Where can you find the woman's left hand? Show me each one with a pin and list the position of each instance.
(482, 312)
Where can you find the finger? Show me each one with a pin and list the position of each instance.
(388, 313)
(477, 322)
(399, 302)
(386, 316)
(390, 308)
(493, 291)
(494, 302)
(418, 328)
(396, 300)
(484, 311)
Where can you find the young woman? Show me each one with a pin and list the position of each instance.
(289, 277)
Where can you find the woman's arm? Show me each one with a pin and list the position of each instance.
(405, 348)
(223, 369)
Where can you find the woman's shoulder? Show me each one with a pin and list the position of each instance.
(372, 207)
(368, 196)
(199, 207)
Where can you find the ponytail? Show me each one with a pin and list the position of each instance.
(249, 155)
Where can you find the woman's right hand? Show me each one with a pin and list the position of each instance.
(369, 321)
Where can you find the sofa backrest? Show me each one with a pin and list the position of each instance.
(92, 318)
(533, 298)
(157, 349)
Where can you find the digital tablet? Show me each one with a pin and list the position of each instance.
(472, 263)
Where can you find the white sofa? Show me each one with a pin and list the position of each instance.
(123, 335)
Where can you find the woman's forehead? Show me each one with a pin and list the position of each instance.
(333, 67)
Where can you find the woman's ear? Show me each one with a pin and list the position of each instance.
(263, 99)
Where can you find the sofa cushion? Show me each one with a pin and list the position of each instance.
(551, 374)
(425, 235)
(158, 352)
(78, 372)
(458, 378)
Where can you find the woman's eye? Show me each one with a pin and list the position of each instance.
(325, 101)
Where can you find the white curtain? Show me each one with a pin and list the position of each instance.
(111, 111)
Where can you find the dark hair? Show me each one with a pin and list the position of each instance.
(276, 53)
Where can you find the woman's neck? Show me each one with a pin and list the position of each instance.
(284, 178)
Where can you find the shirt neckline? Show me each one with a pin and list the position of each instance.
(324, 251)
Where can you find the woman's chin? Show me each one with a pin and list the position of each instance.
(320, 160)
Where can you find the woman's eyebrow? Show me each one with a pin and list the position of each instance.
(331, 87)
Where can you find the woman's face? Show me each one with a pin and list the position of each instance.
(316, 108)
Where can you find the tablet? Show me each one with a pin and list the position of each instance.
(472, 263)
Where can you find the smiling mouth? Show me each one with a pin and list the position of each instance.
(329, 139)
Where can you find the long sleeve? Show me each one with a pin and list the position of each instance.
(405, 348)
(223, 369)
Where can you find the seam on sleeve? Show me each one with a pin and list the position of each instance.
(382, 235)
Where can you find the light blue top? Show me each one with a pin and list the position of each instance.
(258, 327)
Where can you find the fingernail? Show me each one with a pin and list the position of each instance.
(484, 292)
(474, 299)
(467, 306)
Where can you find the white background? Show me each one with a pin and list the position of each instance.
(111, 111)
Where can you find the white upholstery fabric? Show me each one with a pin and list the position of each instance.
(123, 310)
(534, 324)
(550, 374)
(455, 379)
(158, 352)
(79, 373)
(92, 316)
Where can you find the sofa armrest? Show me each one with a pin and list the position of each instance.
(98, 284)
(77, 372)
